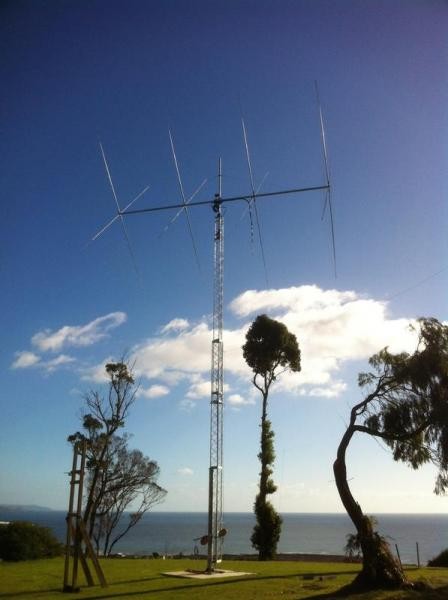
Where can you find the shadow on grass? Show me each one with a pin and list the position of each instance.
(109, 592)
(30, 593)
(346, 591)
(440, 593)
(250, 576)
(192, 584)
(153, 586)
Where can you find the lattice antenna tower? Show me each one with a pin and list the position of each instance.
(216, 531)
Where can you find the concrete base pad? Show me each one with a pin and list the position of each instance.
(204, 575)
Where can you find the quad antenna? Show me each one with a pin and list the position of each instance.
(248, 209)
(289, 191)
(249, 165)
(216, 531)
(184, 201)
(180, 211)
(327, 176)
(120, 212)
(260, 185)
(101, 231)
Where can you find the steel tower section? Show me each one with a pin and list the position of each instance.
(216, 531)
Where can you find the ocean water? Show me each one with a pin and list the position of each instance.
(175, 532)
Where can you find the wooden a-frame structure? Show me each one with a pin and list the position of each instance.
(78, 546)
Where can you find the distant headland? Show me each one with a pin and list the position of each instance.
(24, 508)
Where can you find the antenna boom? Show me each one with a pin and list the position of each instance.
(246, 197)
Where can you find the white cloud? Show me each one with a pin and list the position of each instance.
(154, 391)
(78, 335)
(172, 377)
(186, 353)
(303, 297)
(332, 327)
(24, 360)
(185, 471)
(238, 400)
(187, 405)
(59, 361)
(200, 389)
(330, 391)
(176, 325)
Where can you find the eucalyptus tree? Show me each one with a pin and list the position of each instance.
(118, 479)
(128, 490)
(406, 405)
(269, 349)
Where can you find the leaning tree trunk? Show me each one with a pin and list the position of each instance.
(379, 567)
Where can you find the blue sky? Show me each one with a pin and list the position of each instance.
(77, 73)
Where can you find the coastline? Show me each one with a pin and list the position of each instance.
(305, 537)
(280, 557)
(296, 556)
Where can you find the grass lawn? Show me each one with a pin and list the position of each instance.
(135, 579)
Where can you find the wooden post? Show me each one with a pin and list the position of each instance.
(91, 554)
(76, 533)
(418, 555)
(69, 519)
(82, 450)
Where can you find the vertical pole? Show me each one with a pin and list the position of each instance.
(211, 489)
(68, 539)
(82, 448)
(214, 550)
(418, 555)
(77, 533)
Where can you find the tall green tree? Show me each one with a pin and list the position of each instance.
(269, 349)
(118, 478)
(406, 406)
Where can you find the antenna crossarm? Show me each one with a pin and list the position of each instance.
(230, 199)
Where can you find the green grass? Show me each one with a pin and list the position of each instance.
(138, 579)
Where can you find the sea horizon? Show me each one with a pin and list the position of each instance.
(177, 532)
(38, 507)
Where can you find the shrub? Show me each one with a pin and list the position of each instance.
(22, 540)
(352, 548)
(267, 530)
(440, 560)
